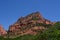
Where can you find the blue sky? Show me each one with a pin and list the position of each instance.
(11, 10)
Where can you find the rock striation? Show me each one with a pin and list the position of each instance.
(31, 24)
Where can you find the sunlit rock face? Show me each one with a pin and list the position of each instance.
(28, 24)
(2, 31)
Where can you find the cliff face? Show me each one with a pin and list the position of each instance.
(2, 31)
(31, 24)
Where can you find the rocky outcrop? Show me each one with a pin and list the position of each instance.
(2, 31)
(31, 24)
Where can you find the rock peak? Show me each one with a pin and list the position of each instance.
(34, 13)
(1, 26)
(37, 12)
(27, 25)
(2, 31)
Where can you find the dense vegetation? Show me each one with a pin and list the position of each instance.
(52, 33)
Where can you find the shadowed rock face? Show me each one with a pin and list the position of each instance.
(28, 24)
(2, 31)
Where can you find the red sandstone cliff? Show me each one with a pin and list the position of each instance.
(31, 24)
(2, 31)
